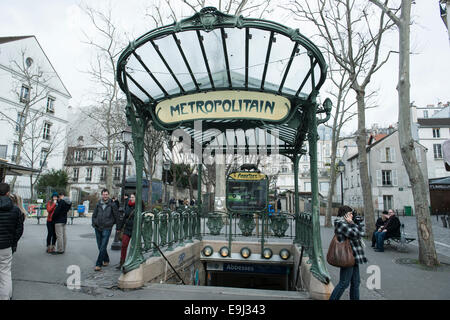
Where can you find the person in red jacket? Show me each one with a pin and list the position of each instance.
(51, 233)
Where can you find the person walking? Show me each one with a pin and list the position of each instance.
(59, 218)
(346, 228)
(11, 229)
(51, 233)
(126, 225)
(105, 215)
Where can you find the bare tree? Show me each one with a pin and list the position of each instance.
(427, 250)
(108, 109)
(342, 115)
(352, 32)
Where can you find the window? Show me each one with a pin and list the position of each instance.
(25, 94)
(90, 155)
(46, 133)
(436, 133)
(14, 151)
(88, 174)
(284, 169)
(117, 173)
(3, 151)
(425, 113)
(20, 121)
(388, 202)
(43, 160)
(324, 186)
(51, 104)
(104, 155)
(77, 155)
(386, 177)
(103, 174)
(118, 155)
(387, 154)
(437, 149)
(307, 186)
(76, 172)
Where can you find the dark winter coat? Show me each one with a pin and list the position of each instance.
(392, 226)
(105, 215)
(11, 223)
(62, 207)
(127, 220)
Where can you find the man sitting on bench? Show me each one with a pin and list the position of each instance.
(391, 229)
(380, 222)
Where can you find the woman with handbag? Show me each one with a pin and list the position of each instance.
(346, 230)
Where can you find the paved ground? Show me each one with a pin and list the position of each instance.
(38, 275)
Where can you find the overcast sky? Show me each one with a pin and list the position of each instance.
(57, 25)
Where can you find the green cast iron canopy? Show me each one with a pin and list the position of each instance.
(215, 52)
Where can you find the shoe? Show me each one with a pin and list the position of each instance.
(119, 267)
(97, 268)
(378, 250)
(49, 249)
(105, 264)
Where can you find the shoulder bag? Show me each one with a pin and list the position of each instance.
(340, 254)
(124, 225)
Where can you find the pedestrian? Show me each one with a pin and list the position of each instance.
(17, 200)
(51, 233)
(59, 218)
(106, 214)
(11, 229)
(116, 201)
(126, 227)
(346, 228)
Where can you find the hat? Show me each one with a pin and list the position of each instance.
(54, 194)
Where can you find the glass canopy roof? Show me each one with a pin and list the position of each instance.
(212, 51)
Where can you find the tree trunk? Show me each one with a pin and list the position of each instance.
(369, 216)
(427, 250)
(331, 190)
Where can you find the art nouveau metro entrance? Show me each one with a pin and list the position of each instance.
(227, 85)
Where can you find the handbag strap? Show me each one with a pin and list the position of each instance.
(125, 223)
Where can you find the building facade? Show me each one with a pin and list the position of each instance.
(34, 103)
(388, 177)
(432, 129)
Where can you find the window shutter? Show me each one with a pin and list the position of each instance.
(392, 154)
(394, 178)
(379, 182)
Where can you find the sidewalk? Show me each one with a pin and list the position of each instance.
(401, 277)
(40, 276)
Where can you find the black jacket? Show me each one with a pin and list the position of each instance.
(127, 221)
(105, 215)
(11, 223)
(62, 207)
(380, 222)
(393, 227)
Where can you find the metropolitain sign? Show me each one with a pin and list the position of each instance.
(224, 105)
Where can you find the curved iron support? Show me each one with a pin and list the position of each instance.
(318, 268)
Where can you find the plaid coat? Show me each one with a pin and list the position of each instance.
(354, 232)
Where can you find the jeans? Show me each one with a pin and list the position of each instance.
(61, 238)
(123, 252)
(51, 233)
(5, 274)
(347, 276)
(102, 244)
(380, 236)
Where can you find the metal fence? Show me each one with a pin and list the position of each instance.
(169, 229)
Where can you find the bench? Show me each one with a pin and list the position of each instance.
(402, 240)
